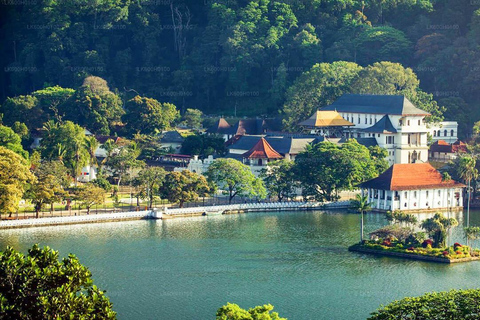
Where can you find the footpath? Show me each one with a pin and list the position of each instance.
(167, 213)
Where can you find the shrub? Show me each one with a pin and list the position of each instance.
(428, 242)
(454, 304)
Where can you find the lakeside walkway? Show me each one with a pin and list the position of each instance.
(166, 213)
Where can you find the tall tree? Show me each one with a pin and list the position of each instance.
(12, 141)
(14, 176)
(279, 179)
(193, 118)
(184, 186)
(467, 171)
(148, 183)
(65, 142)
(204, 145)
(361, 204)
(316, 88)
(46, 189)
(94, 106)
(147, 116)
(90, 195)
(325, 169)
(122, 160)
(236, 178)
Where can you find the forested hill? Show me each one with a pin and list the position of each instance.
(226, 55)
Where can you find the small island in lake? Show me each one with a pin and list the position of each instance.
(403, 241)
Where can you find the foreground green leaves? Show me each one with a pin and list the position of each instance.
(454, 304)
(39, 286)
(232, 311)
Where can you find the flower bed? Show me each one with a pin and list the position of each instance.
(455, 253)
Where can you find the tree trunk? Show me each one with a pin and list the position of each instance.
(88, 210)
(361, 228)
(180, 205)
(468, 205)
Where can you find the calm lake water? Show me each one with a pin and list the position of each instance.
(297, 261)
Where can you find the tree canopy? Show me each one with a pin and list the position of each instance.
(325, 168)
(65, 142)
(454, 304)
(184, 186)
(232, 311)
(14, 176)
(225, 57)
(147, 116)
(41, 286)
(236, 178)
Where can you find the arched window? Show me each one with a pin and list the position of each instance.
(451, 132)
(434, 133)
(445, 133)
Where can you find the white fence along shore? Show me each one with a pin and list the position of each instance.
(166, 213)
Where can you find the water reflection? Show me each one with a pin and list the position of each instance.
(298, 261)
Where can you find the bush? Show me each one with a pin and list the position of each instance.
(454, 304)
(102, 183)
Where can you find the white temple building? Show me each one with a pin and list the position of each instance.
(415, 187)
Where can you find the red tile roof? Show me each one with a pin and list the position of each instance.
(412, 176)
(262, 150)
(442, 146)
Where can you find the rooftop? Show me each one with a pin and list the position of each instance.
(322, 119)
(262, 150)
(384, 125)
(221, 127)
(445, 147)
(282, 144)
(411, 176)
(171, 136)
(376, 104)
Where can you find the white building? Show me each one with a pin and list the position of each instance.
(197, 165)
(395, 123)
(413, 187)
(445, 130)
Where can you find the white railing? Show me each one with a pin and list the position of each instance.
(243, 206)
(75, 219)
(158, 213)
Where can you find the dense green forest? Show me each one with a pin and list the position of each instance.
(235, 56)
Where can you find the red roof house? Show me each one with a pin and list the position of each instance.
(410, 176)
(415, 187)
(262, 150)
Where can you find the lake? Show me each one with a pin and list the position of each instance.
(297, 261)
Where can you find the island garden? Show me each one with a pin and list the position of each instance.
(401, 239)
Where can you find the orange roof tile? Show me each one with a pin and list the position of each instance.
(262, 150)
(442, 146)
(412, 176)
(326, 119)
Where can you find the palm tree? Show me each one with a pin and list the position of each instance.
(361, 204)
(472, 233)
(437, 228)
(61, 152)
(467, 172)
(91, 144)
